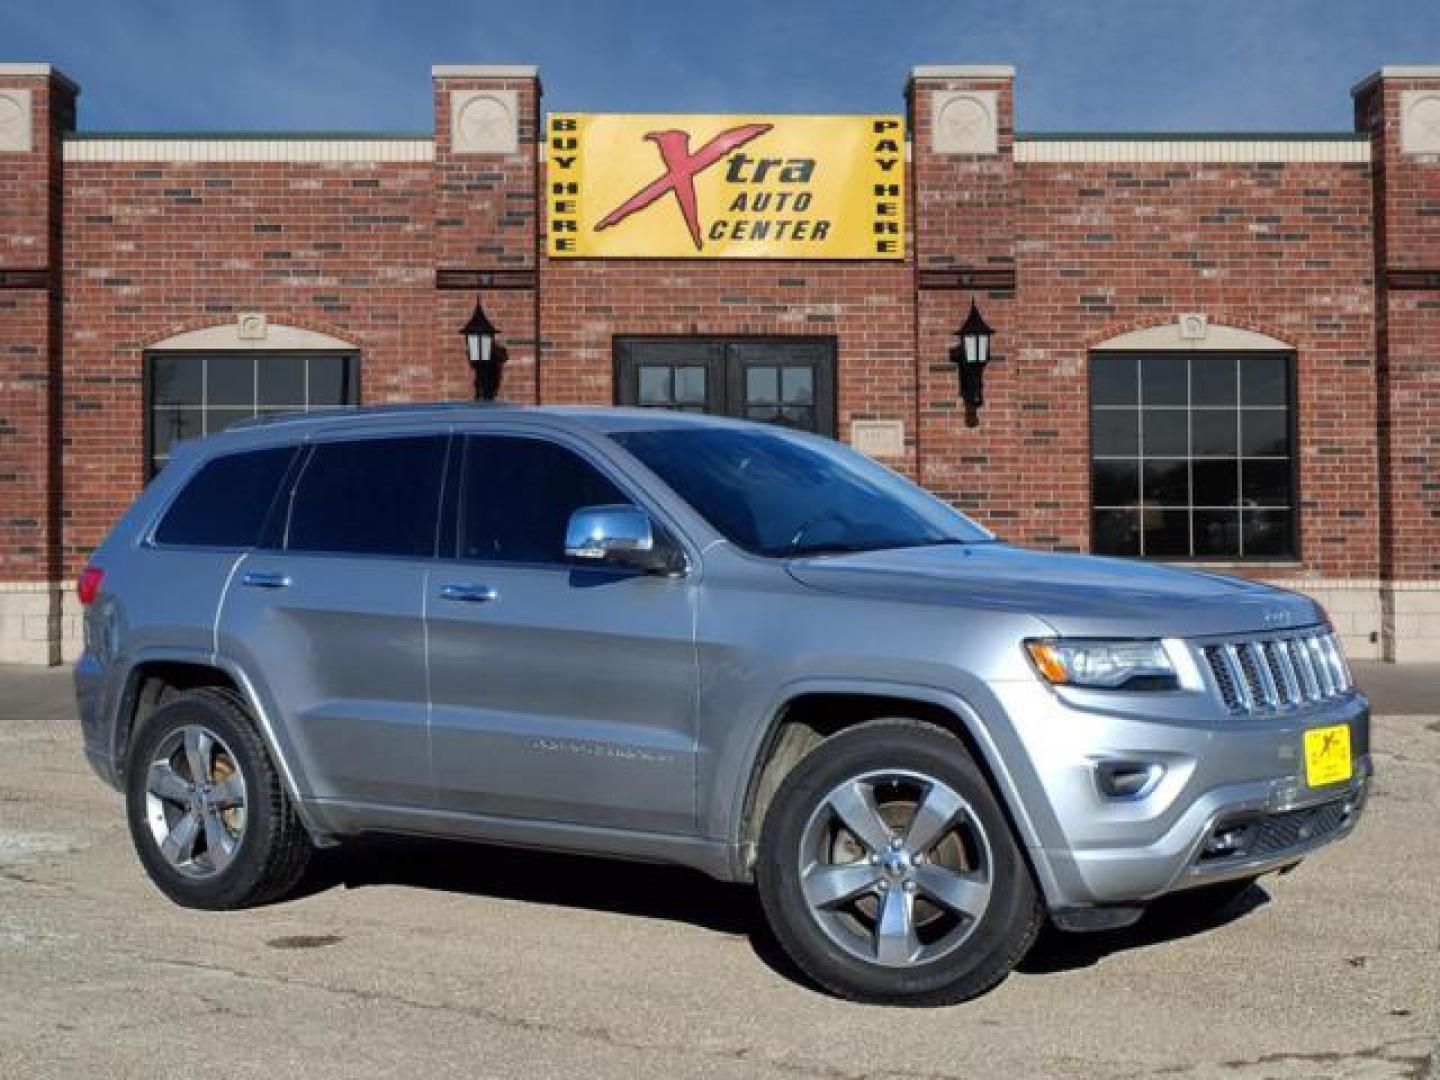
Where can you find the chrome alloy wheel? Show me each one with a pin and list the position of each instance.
(195, 801)
(895, 868)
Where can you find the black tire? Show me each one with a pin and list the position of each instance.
(997, 939)
(273, 848)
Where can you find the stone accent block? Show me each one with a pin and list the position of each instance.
(17, 131)
(1416, 631)
(29, 623)
(1354, 608)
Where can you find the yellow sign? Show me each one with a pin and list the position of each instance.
(727, 187)
(1327, 755)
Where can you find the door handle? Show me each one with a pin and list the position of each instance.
(265, 579)
(468, 592)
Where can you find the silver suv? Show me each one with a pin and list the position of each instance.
(680, 639)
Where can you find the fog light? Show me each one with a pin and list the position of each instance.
(1226, 841)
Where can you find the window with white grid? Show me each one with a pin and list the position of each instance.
(193, 394)
(1192, 455)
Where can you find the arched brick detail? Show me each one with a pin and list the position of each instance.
(226, 337)
(1278, 338)
(341, 337)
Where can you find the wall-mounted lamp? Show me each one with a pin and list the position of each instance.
(486, 355)
(971, 355)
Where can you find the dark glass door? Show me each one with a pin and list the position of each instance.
(672, 373)
(786, 381)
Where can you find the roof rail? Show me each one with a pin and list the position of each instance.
(348, 412)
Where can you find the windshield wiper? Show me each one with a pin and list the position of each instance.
(843, 548)
(833, 548)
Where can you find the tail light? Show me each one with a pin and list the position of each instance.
(88, 587)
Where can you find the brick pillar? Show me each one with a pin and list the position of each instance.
(37, 105)
(486, 235)
(1400, 108)
(963, 179)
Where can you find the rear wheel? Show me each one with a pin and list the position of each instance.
(889, 872)
(208, 813)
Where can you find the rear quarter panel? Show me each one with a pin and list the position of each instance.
(154, 603)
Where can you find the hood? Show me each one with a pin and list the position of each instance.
(1078, 595)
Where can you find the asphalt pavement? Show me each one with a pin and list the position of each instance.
(434, 959)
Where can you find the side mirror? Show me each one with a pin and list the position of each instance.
(619, 535)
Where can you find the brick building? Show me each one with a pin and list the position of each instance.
(1220, 349)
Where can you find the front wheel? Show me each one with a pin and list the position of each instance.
(889, 873)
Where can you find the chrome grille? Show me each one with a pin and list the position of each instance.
(1274, 673)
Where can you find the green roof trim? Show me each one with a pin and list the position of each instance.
(1191, 136)
(251, 136)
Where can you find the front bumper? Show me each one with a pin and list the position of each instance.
(1239, 779)
(1269, 837)
(1288, 828)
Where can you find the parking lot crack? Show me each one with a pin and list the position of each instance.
(1411, 1056)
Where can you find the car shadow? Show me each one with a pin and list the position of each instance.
(539, 877)
(644, 890)
(676, 894)
(1171, 918)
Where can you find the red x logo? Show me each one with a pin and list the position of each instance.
(681, 168)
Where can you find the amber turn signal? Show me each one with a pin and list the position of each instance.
(1047, 659)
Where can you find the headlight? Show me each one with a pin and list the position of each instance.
(1104, 665)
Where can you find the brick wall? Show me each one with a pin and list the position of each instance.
(158, 248)
(1407, 257)
(486, 223)
(1061, 255)
(1101, 248)
(866, 307)
(1280, 249)
(347, 248)
(31, 255)
(965, 233)
(30, 259)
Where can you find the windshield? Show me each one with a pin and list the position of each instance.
(778, 494)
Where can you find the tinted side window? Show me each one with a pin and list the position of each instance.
(517, 495)
(226, 502)
(369, 497)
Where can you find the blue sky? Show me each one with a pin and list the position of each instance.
(364, 64)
